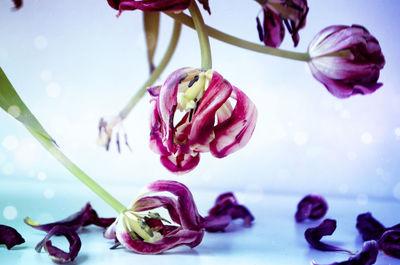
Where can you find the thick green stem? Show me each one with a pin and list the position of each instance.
(156, 73)
(216, 34)
(77, 172)
(206, 62)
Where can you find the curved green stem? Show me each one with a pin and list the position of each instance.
(156, 73)
(219, 35)
(206, 62)
(77, 172)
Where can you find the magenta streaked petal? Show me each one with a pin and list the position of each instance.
(109, 233)
(10, 237)
(180, 164)
(235, 132)
(311, 206)
(154, 91)
(216, 94)
(224, 112)
(153, 202)
(190, 217)
(156, 143)
(56, 254)
(326, 228)
(154, 5)
(182, 237)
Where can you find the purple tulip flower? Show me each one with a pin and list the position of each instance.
(225, 210)
(311, 206)
(146, 232)
(154, 5)
(10, 237)
(347, 60)
(196, 111)
(277, 15)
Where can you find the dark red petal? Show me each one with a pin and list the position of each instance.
(311, 206)
(206, 5)
(56, 254)
(17, 4)
(225, 210)
(274, 31)
(314, 235)
(10, 237)
(390, 243)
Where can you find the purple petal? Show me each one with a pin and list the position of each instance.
(311, 206)
(367, 256)
(187, 210)
(390, 243)
(156, 142)
(56, 254)
(225, 210)
(180, 164)
(181, 237)
(236, 131)
(10, 237)
(154, 5)
(369, 227)
(274, 31)
(314, 235)
(84, 217)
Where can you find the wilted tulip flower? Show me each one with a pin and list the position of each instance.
(347, 60)
(144, 231)
(196, 111)
(277, 15)
(154, 5)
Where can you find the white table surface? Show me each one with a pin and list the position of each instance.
(274, 237)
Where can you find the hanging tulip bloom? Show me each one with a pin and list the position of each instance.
(154, 5)
(347, 60)
(277, 15)
(194, 112)
(147, 232)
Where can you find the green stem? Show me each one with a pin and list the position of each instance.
(206, 62)
(77, 172)
(156, 73)
(216, 34)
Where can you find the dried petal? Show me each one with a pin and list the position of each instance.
(347, 60)
(84, 217)
(225, 210)
(17, 4)
(367, 256)
(314, 235)
(369, 227)
(10, 237)
(311, 206)
(390, 243)
(56, 254)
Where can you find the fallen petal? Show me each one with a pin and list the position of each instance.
(314, 235)
(10, 237)
(311, 206)
(56, 254)
(369, 227)
(225, 210)
(367, 256)
(390, 243)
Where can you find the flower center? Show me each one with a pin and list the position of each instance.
(190, 92)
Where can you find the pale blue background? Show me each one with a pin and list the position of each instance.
(74, 61)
